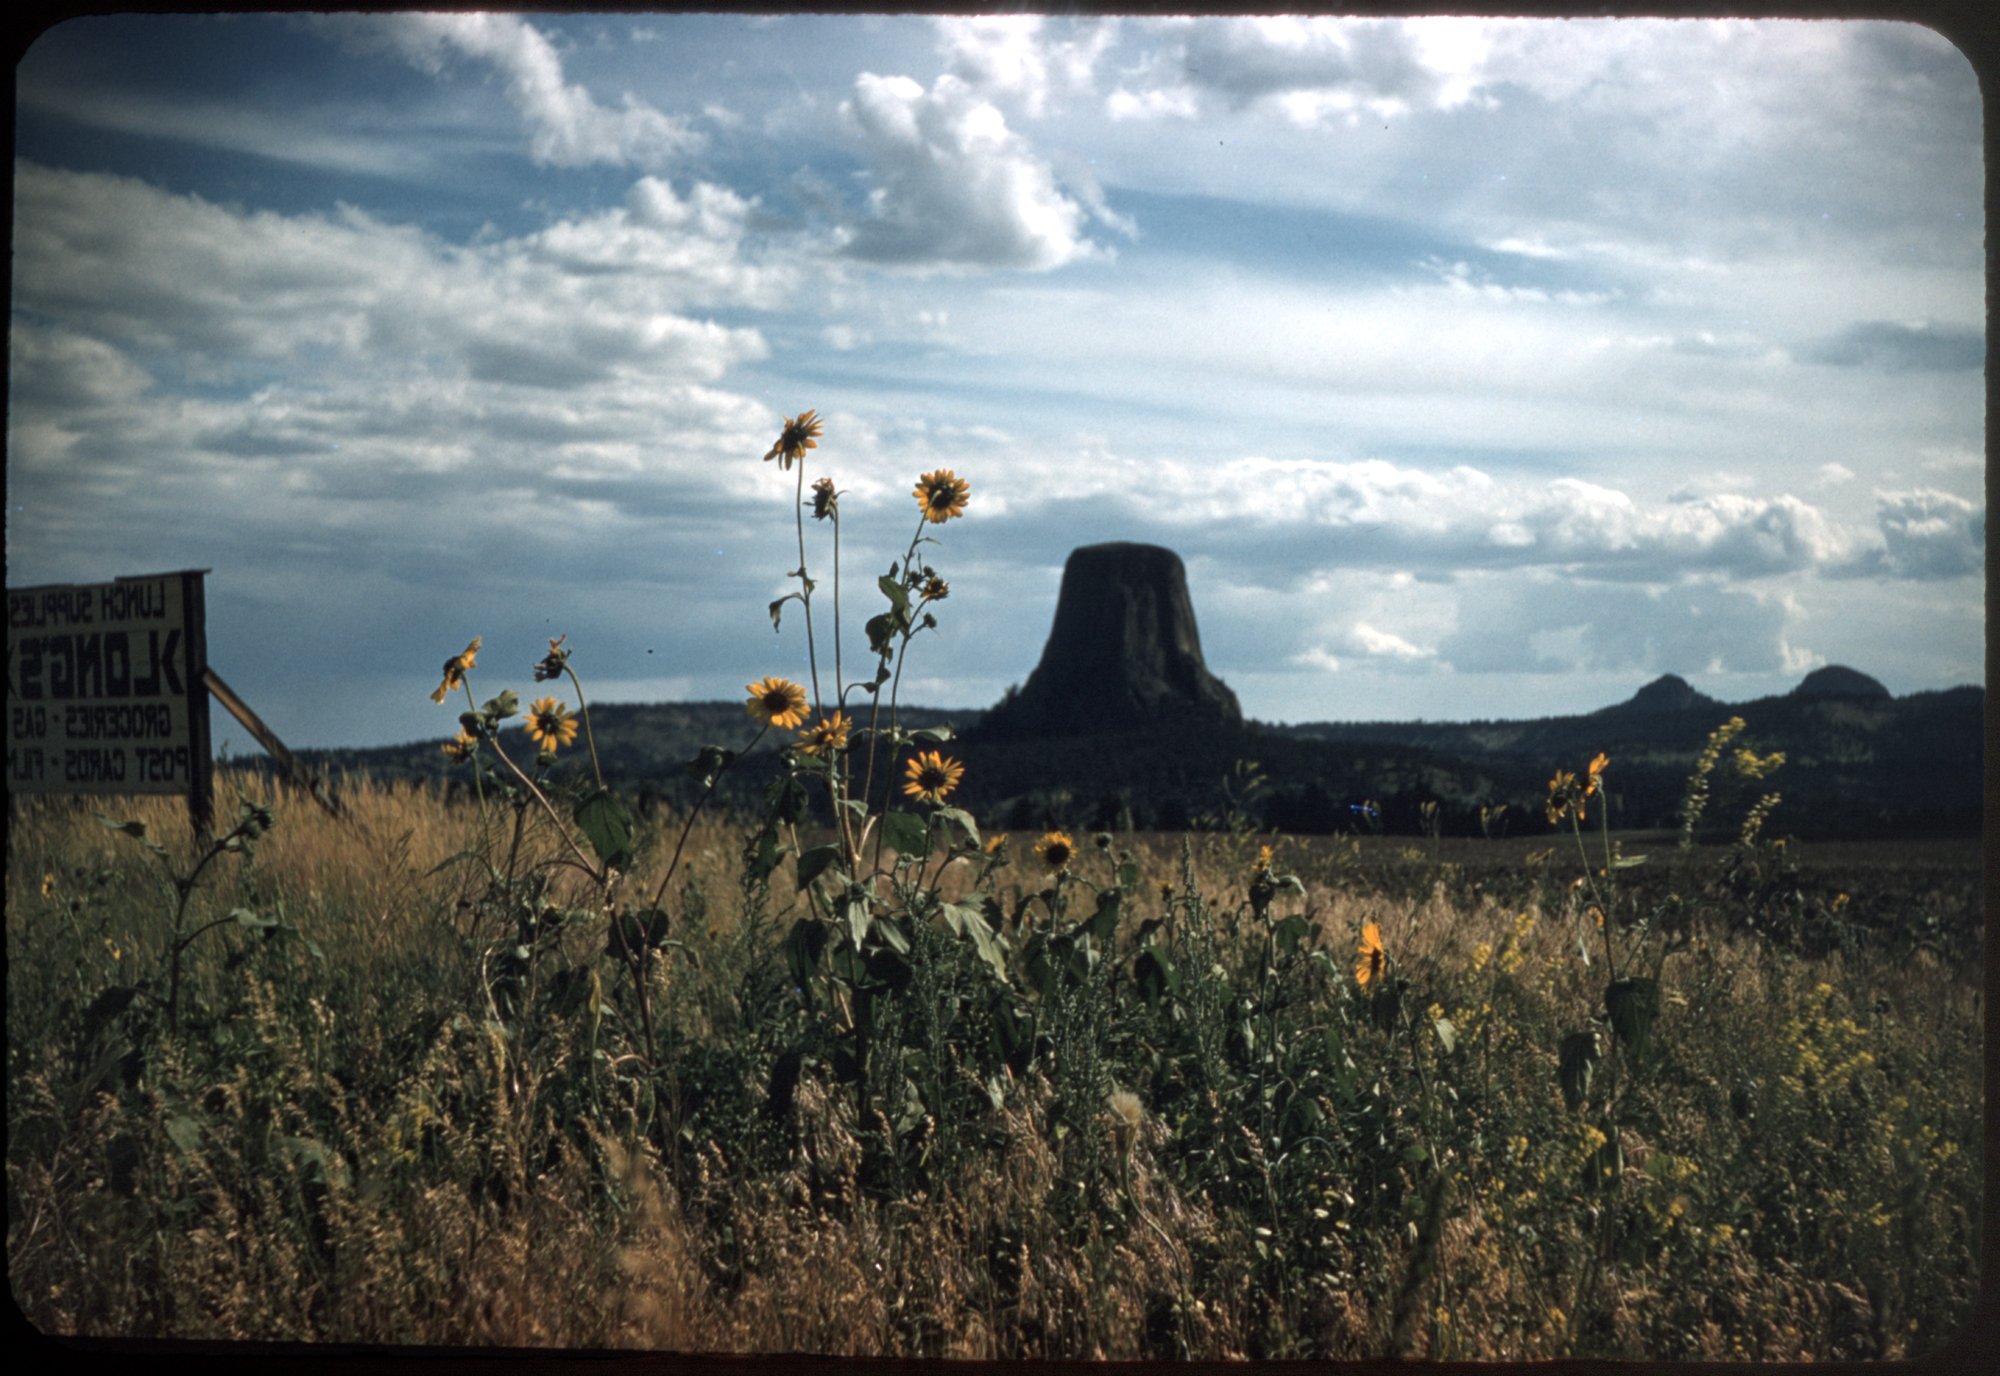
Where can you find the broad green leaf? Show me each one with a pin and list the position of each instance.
(934, 735)
(803, 945)
(608, 826)
(961, 819)
(905, 833)
(1103, 924)
(970, 921)
(184, 1133)
(813, 863)
(859, 918)
(1626, 862)
(898, 595)
(1155, 975)
(777, 607)
(1290, 932)
(1447, 1035)
(254, 920)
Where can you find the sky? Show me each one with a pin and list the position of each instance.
(1474, 368)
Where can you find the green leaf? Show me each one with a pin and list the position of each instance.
(1447, 1035)
(777, 606)
(1626, 862)
(1155, 975)
(763, 854)
(184, 1133)
(971, 922)
(856, 909)
(1633, 1004)
(1103, 924)
(934, 735)
(905, 832)
(813, 863)
(608, 826)
(254, 920)
(1290, 932)
(898, 595)
(1575, 1066)
(961, 819)
(496, 709)
(1128, 874)
(803, 945)
(881, 636)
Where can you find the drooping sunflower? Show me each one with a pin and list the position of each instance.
(1055, 850)
(942, 495)
(1594, 774)
(825, 500)
(800, 433)
(930, 776)
(455, 667)
(550, 725)
(1562, 795)
(827, 736)
(1369, 957)
(776, 702)
(460, 748)
(552, 664)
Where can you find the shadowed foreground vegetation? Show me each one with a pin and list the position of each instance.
(1184, 1097)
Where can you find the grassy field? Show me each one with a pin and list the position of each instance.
(425, 1082)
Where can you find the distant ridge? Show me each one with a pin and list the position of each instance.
(1839, 681)
(1667, 693)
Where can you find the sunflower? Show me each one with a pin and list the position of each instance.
(827, 736)
(825, 500)
(1369, 957)
(1594, 774)
(931, 776)
(776, 702)
(1562, 796)
(799, 435)
(941, 495)
(1056, 850)
(454, 669)
(1264, 858)
(460, 748)
(553, 663)
(550, 725)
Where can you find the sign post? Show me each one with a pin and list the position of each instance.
(107, 692)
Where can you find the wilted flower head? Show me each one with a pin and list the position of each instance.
(930, 776)
(552, 664)
(825, 499)
(550, 725)
(931, 588)
(941, 495)
(776, 702)
(799, 435)
(454, 669)
(460, 747)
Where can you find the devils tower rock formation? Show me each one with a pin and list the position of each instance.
(1123, 652)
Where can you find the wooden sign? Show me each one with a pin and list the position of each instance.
(106, 691)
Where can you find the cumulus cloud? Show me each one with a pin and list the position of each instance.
(954, 186)
(566, 126)
(1015, 56)
(1931, 534)
(1310, 67)
(1312, 513)
(1923, 347)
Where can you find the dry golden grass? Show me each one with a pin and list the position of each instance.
(346, 1147)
